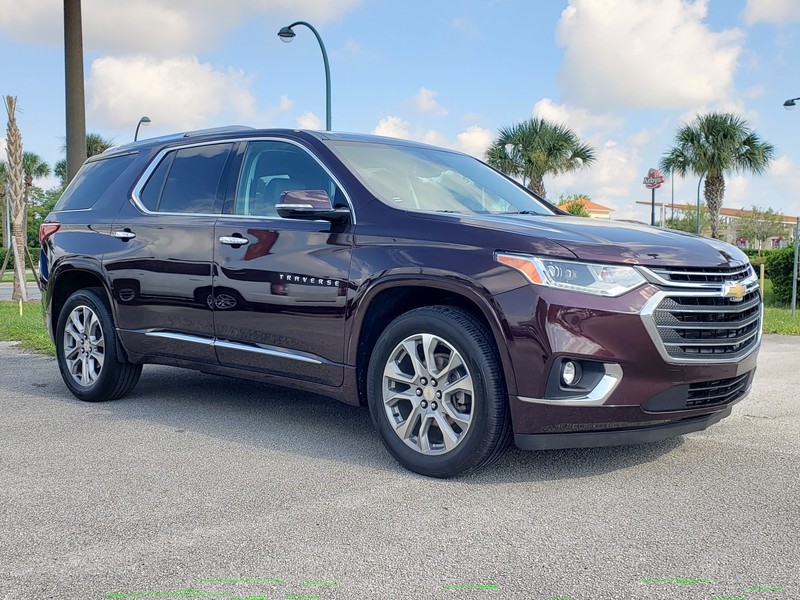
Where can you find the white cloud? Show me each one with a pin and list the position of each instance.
(393, 127)
(176, 93)
(308, 120)
(641, 138)
(614, 175)
(163, 27)
(782, 167)
(737, 192)
(425, 101)
(475, 141)
(285, 103)
(645, 54)
(777, 12)
(577, 119)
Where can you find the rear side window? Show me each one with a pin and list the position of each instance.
(188, 180)
(91, 181)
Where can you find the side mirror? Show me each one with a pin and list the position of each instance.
(310, 205)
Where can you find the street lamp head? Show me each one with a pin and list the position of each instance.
(145, 121)
(142, 121)
(790, 103)
(286, 34)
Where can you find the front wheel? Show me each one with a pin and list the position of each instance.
(86, 348)
(436, 392)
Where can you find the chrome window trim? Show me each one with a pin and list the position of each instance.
(269, 351)
(142, 181)
(647, 316)
(596, 397)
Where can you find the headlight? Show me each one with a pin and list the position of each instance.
(589, 278)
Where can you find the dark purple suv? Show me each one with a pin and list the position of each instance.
(460, 308)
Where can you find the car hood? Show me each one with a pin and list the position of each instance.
(616, 242)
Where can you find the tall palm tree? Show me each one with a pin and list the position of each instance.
(714, 145)
(3, 182)
(15, 184)
(538, 147)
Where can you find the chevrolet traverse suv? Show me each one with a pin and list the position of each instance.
(461, 309)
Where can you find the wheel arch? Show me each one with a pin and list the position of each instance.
(393, 296)
(68, 279)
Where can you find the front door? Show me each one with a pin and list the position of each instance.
(280, 293)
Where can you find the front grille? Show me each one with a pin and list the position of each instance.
(719, 391)
(703, 274)
(696, 317)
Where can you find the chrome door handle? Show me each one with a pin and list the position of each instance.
(231, 240)
(124, 235)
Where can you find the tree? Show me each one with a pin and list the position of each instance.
(95, 144)
(15, 185)
(574, 204)
(760, 225)
(686, 220)
(714, 145)
(3, 182)
(538, 147)
(33, 167)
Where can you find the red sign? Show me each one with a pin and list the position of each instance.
(653, 180)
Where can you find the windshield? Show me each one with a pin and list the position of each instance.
(432, 180)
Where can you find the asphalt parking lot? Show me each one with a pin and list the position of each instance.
(201, 486)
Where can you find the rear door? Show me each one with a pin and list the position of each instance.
(280, 293)
(161, 264)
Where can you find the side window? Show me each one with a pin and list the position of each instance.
(271, 168)
(187, 180)
(92, 180)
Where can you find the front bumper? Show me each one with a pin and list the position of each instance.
(622, 437)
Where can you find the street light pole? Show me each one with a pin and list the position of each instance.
(697, 221)
(794, 264)
(143, 121)
(287, 35)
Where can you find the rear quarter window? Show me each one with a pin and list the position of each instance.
(91, 181)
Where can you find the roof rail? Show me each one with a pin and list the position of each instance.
(226, 129)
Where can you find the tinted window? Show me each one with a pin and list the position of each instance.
(155, 185)
(91, 181)
(271, 168)
(187, 180)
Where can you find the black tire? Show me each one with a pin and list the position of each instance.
(84, 333)
(454, 334)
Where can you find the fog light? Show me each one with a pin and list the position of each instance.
(570, 372)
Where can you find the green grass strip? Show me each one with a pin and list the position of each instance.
(27, 329)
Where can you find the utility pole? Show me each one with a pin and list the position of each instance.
(73, 71)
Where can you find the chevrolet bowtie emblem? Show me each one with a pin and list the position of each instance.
(734, 291)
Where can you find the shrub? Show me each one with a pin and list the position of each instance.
(779, 266)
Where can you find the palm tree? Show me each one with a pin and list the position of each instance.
(95, 144)
(3, 180)
(538, 147)
(15, 184)
(33, 167)
(714, 145)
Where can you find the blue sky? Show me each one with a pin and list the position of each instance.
(624, 74)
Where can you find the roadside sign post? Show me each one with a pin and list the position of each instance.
(652, 181)
(794, 264)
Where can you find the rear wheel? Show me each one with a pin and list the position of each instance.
(86, 348)
(436, 392)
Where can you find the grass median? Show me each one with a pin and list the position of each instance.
(28, 329)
